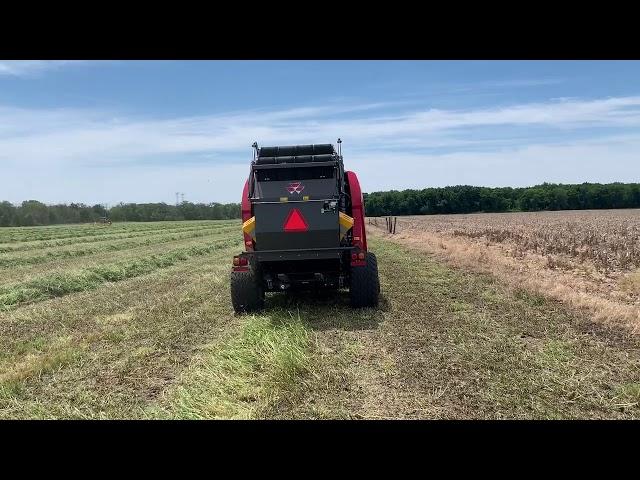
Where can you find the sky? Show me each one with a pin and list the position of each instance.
(139, 131)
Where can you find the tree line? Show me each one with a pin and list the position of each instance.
(468, 199)
(33, 212)
(455, 199)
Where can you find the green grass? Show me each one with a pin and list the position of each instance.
(80, 231)
(132, 338)
(99, 247)
(497, 351)
(154, 336)
(38, 360)
(119, 235)
(58, 284)
(242, 377)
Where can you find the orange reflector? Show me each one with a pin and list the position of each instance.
(295, 222)
(361, 256)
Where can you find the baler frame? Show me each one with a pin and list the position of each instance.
(280, 269)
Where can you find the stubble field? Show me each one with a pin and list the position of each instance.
(587, 259)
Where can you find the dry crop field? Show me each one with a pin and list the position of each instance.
(134, 321)
(589, 259)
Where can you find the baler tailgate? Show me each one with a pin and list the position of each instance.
(295, 225)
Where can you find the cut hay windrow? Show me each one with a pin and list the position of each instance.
(80, 231)
(59, 284)
(41, 244)
(85, 232)
(72, 232)
(112, 247)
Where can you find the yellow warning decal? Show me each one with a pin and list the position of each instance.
(284, 199)
(305, 198)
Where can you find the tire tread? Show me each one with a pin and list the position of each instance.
(365, 284)
(247, 294)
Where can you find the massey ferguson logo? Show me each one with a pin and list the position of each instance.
(295, 187)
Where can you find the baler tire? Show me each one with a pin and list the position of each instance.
(364, 288)
(247, 294)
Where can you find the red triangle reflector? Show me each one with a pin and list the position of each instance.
(295, 222)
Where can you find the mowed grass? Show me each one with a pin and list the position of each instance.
(57, 232)
(453, 344)
(113, 336)
(110, 245)
(153, 335)
(58, 284)
(244, 377)
(52, 245)
(103, 255)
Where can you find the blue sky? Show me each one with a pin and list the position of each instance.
(110, 131)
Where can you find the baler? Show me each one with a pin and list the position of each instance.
(304, 228)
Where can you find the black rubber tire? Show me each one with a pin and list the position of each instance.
(247, 294)
(364, 288)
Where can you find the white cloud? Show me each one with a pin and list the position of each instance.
(64, 155)
(527, 82)
(25, 68)
(608, 159)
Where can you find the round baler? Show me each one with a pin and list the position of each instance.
(304, 228)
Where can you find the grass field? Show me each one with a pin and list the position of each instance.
(135, 321)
